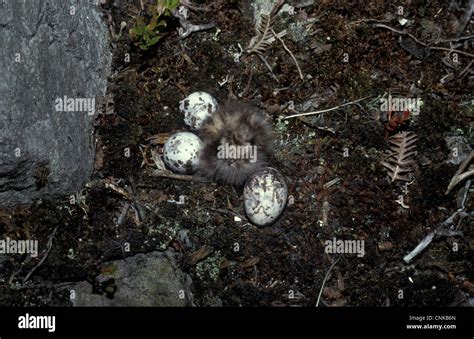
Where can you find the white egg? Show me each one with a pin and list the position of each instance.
(196, 108)
(181, 152)
(265, 196)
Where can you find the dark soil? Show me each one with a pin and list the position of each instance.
(233, 262)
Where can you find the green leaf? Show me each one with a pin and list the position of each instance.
(138, 30)
(151, 26)
(154, 40)
(162, 23)
(166, 6)
(172, 4)
(146, 36)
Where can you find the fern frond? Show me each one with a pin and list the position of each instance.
(399, 160)
(264, 37)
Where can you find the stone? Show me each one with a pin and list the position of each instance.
(151, 279)
(53, 52)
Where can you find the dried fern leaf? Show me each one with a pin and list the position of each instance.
(399, 159)
(264, 37)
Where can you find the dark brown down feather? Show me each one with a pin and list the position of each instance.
(237, 124)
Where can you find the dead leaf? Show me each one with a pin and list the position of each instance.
(331, 293)
(108, 269)
(200, 254)
(99, 155)
(159, 139)
(385, 246)
(250, 262)
(340, 282)
(338, 303)
(469, 286)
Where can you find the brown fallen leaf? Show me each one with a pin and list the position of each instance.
(99, 156)
(338, 303)
(340, 282)
(200, 254)
(250, 262)
(224, 263)
(331, 293)
(385, 246)
(469, 286)
(159, 139)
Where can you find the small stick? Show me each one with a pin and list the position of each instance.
(193, 7)
(50, 245)
(466, 69)
(170, 175)
(220, 210)
(402, 33)
(326, 110)
(466, 17)
(331, 183)
(161, 170)
(246, 89)
(459, 175)
(290, 53)
(441, 230)
(120, 191)
(122, 216)
(453, 51)
(455, 39)
(268, 66)
(326, 278)
(421, 42)
(466, 191)
(419, 248)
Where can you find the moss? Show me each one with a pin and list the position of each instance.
(165, 232)
(208, 269)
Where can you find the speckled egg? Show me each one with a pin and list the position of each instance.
(196, 108)
(265, 196)
(181, 152)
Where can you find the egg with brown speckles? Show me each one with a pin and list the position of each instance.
(265, 196)
(181, 152)
(196, 108)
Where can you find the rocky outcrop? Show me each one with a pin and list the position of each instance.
(151, 279)
(54, 64)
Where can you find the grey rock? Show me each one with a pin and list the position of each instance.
(151, 279)
(49, 49)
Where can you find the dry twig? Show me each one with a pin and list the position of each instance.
(326, 278)
(424, 44)
(265, 36)
(48, 250)
(460, 175)
(196, 8)
(466, 17)
(444, 229)
(163, 172)
(326, 110)
(290, 53)
(402, 33)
